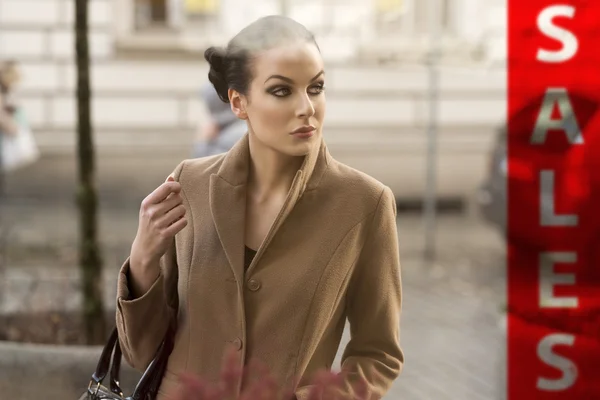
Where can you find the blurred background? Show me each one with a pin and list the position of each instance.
(412, 86)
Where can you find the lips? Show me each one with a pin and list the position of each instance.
(304, 129)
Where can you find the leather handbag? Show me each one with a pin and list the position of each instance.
(147, 387)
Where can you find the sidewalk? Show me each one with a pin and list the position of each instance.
(450, 326)
(453, 345)
(450, 332)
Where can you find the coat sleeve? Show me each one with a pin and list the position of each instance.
(373, 356)
(142, 322)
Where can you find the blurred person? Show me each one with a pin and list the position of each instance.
(220, 129)
(17, 145)
(268, 249)
(9, 77)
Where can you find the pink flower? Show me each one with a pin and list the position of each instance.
(259, 384)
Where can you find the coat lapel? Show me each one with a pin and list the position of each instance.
(228, 204)
(228, 207)
(228, 198)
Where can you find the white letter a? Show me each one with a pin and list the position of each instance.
(567, 122)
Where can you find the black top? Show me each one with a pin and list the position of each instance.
(248, 257)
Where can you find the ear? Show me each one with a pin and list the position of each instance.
(238, 104)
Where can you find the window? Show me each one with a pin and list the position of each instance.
(173, 13)
(150, 13)
(423, 13)
(412, 16)
(202, 15)
(167, 25)
(201, 7)
(390, 14)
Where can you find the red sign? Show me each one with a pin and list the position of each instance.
(553, 199)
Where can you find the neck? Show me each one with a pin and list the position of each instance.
(271, 173)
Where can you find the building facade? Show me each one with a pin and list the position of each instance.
(348, 28)
(147, 66)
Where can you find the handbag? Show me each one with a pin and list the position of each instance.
(148, 385)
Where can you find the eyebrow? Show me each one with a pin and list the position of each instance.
(284, 78)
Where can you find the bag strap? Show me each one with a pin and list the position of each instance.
(147, 387)
(115, 371)
(104, 361)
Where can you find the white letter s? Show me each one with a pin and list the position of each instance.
(566, 37)
(568, 368)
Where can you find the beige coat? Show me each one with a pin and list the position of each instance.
(331, 255)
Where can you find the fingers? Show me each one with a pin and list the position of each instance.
(170, 203)
(175, 227)
(155, 213)
(171, 216)
(163, 209)
(162, 192)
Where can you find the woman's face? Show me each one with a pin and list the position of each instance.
(285, 105)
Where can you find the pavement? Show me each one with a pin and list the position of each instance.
(450, 328)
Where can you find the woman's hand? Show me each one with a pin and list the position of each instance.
(162, 216)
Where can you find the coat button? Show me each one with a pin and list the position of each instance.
(237, 343)
(253, 285)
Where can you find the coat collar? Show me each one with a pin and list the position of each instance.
(228, 197)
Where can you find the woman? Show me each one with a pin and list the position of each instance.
(274, 244)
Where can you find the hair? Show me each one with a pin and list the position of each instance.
(231, 66)
(6, 66)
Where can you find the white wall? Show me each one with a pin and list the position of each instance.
(39, 34)
(496, 31)
(43, 29)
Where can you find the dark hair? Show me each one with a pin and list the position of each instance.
(230, 67)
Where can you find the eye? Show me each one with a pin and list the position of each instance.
(280, 91)
(317, 89)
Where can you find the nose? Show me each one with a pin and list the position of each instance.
(305, 107)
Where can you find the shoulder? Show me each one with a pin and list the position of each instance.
(357, 189)
(197, 168)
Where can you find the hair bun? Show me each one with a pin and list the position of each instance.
(217, 74)
(215, 56)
